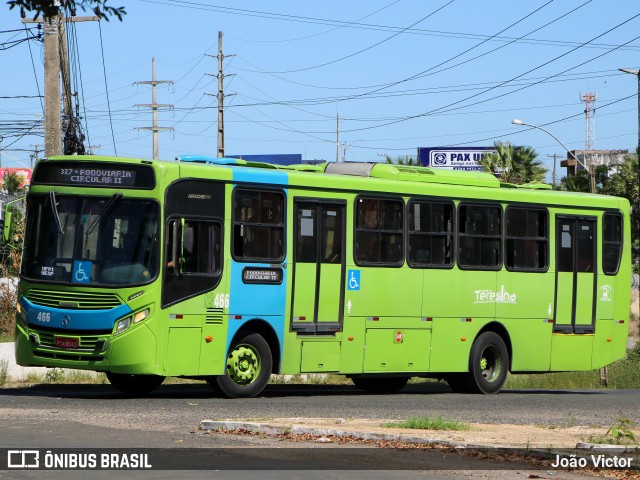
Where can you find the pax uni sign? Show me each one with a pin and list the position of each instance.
(453, 158)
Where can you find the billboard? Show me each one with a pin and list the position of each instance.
(24, 173)
(454, 158)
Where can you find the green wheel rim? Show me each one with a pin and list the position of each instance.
(243, 364)
(490, 364)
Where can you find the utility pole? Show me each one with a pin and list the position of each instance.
(53, 31)
(221, 95)
(589, 99)
(35, 156)
(154, 106)
(220, 99)
(554, 156)
(337, 137)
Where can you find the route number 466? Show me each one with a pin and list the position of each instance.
(218, 300)
(44, 317)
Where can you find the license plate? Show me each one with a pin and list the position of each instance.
(65, 342)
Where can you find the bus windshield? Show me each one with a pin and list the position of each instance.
(91, 240)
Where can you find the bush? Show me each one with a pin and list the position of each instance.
(8, 299)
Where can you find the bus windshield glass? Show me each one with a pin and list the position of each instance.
(91, 240)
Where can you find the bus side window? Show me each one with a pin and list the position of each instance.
(527, 239)
(258, 225)
(379, 235)
(611, 242)
(480, 236)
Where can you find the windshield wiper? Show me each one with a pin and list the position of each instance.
(56, 215)
(104, 213)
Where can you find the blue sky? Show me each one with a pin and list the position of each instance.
(401, 74)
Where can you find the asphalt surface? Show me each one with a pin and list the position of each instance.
(187, 404)
(96, 416)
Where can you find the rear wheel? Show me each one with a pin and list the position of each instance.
(380, 384)
(134, 384)
(488, 367)
(488, 363)
(248, 368)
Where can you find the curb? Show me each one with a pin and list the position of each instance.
(323, 432)
(268, 429)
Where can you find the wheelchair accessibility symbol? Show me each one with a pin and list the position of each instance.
(81, 272)
(353, 280)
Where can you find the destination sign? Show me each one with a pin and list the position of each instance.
(94, 174)
(262, 275)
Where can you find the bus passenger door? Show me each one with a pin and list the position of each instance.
(319, 266)
(575, 275)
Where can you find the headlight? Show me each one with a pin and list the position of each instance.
(122, 325)
(22, 315)
(138, 317)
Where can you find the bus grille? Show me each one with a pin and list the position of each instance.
(213, 316)
(86, 343)
(73, 300)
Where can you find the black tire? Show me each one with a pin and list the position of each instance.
(380, 384)
(488, 364)
(134, 384)
(249, 364)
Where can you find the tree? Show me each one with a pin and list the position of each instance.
(402, 160)
(12, 183)
(514, 164)
(623, 182)
(581, 180)
(50, 8)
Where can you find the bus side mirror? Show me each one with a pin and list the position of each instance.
(6, 228)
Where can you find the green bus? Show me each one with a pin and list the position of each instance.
(229, 271)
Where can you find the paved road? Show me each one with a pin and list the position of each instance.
(186, 405)
(85, 416)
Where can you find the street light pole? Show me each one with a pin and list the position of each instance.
(592, 184)
(635, 72)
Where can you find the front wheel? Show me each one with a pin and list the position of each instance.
(488, 364)
(134, 384)
(248, 368)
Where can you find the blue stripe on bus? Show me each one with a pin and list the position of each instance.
(260, 175)
(41, 316)
(257, 301)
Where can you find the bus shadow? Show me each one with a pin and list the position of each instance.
(203, 391)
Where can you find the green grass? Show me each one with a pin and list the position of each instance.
(618, 434)
(428, 422)
(623, 374)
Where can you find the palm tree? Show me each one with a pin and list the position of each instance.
(514, 164)
(402, 160)
(12, 183)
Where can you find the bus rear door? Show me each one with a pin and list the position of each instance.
(319, 266)
(575, 274)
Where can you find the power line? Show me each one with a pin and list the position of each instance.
(369, 47)
(106, 89)
(439, 109)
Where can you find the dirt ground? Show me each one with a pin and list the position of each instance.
(514, 436)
